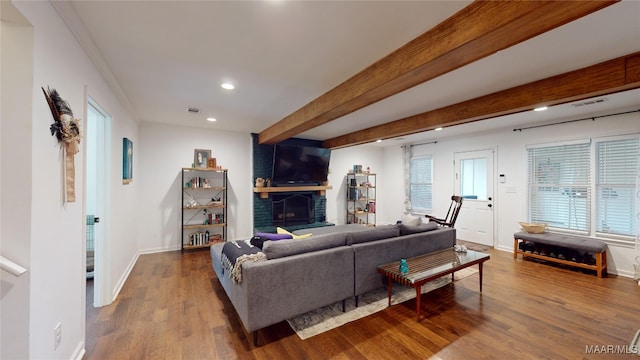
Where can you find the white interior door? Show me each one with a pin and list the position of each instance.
(474, 182)
(98, 135)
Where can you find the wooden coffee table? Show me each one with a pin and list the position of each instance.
(425, 268)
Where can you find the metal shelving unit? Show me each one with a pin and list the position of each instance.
(204, 207)
(361, 198)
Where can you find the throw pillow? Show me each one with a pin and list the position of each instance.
(293, 236)
(270, 236)
(411, 220)
(260, 237)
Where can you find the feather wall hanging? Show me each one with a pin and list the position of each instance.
(65, 128)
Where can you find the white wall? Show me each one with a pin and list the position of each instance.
(57, 283)
(510, 201)
(342, 160)
(15, 180)
(163, 151)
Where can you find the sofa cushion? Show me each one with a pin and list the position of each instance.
(331, 229)
(282, 248)
(408, 229)
(375, 233)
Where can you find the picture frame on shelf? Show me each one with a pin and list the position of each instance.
(212, 163)
(127, 161)
(200, 158)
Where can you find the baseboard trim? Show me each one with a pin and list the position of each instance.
(124, 277)
(79, 352)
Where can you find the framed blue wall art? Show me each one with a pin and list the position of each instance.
(127, 161)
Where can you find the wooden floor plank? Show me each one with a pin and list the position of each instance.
(172, 307)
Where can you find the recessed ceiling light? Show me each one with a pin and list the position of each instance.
(379, 140)
(228, 86)
(212, 119)
(541, 108)
(438, 129)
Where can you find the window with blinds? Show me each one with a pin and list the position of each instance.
(565, 179)
(559, 190)
(616, 169)
(420, 180)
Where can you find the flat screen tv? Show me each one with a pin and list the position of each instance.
(299, 165)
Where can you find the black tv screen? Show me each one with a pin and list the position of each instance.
(296, 165)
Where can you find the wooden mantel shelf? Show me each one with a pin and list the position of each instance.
(264, 191)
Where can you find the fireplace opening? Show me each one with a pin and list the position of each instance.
(294, 209)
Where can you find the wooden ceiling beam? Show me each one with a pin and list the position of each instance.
(608, 77)
(479, 30)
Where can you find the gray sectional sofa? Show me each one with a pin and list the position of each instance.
(334, 264)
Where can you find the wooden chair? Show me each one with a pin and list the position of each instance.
(452, 214)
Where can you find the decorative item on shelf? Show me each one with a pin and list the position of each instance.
(259, 182)
(201, 158)
(212, 163)
(199, 238)
(207, 216)
(66, 129)
(192, 203)
(214, 202)
(267, 182)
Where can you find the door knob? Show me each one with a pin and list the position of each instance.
(489, 205)
(96, 220)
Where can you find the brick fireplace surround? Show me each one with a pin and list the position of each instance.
(262, 208)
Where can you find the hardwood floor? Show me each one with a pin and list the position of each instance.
(172, 307)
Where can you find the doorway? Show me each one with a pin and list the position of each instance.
(98, 134)
(475, 183)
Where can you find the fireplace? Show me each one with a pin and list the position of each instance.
(293, 209)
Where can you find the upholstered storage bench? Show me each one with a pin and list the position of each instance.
(569, 242)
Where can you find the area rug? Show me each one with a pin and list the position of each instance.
(331, 316)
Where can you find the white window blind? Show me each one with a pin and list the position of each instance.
(616, 170)
(559, 190)
(420, 180)
(421, 184)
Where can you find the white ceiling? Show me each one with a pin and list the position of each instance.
(162, 57)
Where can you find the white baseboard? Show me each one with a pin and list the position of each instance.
(123, 278)
(79, 352)
(157, 250)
